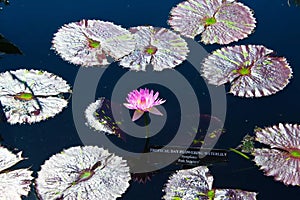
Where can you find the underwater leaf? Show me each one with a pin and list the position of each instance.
(208, 132)
(218, 21)
(196, 183)
(87, 172)
(7, 47)
(89, 42)
(250, 69)
(160, 47)
(283, 159)
(15, 183)
(99, 117)
(29, 96)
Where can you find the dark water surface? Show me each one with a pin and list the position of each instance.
(31, 25)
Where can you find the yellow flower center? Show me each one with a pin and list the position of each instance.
(142, 100)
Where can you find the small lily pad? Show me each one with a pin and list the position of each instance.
(196, 183)
(99, 117)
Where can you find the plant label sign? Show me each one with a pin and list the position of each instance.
(193, 156)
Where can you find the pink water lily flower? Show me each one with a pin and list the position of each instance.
(143, 101)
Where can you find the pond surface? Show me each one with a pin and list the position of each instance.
(31, 24)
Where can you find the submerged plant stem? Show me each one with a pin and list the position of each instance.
(146, 124)
(240, 153)
(147, 132)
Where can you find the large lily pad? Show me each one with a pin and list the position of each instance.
(87, 172)
(218, 21)
(89, 42)
(160, 47)
(251, 70)
(283, 159)
(29, 96)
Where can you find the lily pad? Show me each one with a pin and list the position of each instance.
(218, 21)
(13, 183)
(89, 42)
(29, 96)
(251, 70)
(196, 183)
(283, 159)
(160, 47)
(99, 117)
(87, 172)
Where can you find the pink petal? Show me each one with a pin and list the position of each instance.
(137, 114)
(151, 93)
(156, 95)
(155, 111)
(129, 106)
